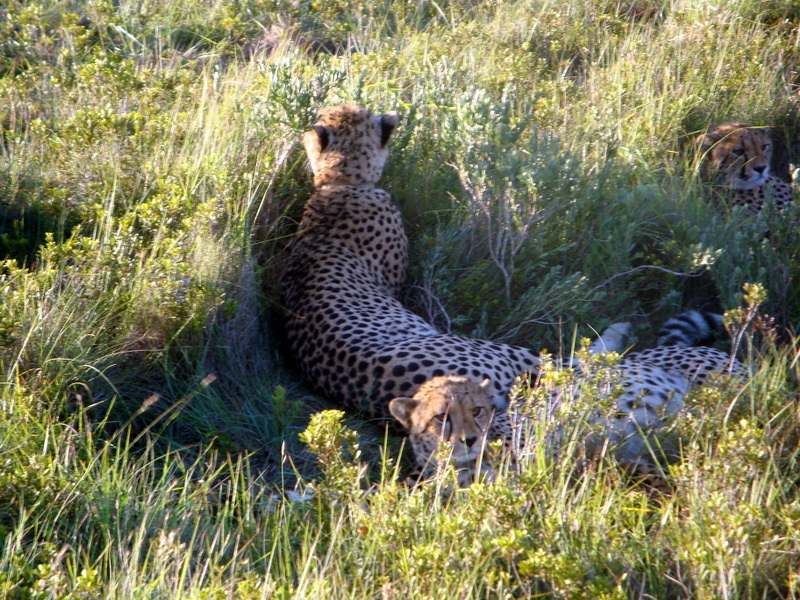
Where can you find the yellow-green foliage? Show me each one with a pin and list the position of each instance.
(150, 178)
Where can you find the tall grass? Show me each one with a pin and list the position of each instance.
(149, 180)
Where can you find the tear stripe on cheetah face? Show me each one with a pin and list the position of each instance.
(736, 157)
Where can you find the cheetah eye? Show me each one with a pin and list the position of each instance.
(441, 418)
(765, 147)
(738, 151)
(478, 411)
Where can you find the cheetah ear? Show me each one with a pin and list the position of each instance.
(315, 143)
(705, 141)
(388, 123)
(402, 409)
(323, 137)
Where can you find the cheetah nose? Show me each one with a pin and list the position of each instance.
(470, 441)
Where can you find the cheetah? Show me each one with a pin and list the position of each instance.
(735, 157)
(692, 328)
(357, 344)
(649, 386)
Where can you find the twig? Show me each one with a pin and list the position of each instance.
(640, 268)
(430, 300)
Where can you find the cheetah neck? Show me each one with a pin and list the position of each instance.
(329, 187)
(327, 178)
(773, 190)
(752, 198)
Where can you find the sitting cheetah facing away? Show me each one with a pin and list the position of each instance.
(357, 344)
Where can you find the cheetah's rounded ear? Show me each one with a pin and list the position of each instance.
(315, 142)
(323, 137)
(388, 123)
(402, 409)
(705, 141)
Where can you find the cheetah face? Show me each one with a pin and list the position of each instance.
(736, 155)
(348, 145)
(447, 409)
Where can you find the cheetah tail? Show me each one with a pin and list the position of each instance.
(612, 339)
(692, 328)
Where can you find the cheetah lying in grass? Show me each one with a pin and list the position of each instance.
(736, 157)
(357, 344)
(647, 389)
